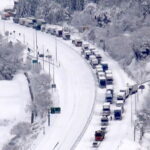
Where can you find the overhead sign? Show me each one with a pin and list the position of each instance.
(55, 110)
(34, 61)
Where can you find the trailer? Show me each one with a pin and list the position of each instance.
(104, 121)
(94, 62)
(104, 65)
(99, 135)
(120, 103)
(118, 113)
(102, 82)
(66, 35)
(106, 109)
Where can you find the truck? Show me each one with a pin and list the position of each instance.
(78, 42)
(85, 46)
(102, 82)
(120, 103)
(109, 97)
(94, 62)
(104, 121)
(109, 79)
(126, 91)
(106, 109)
(87, 54)
(118, 113)
(110, 88)
(66, 35)
(98, 56)
(59, 31)
(121, 96)
(99, 135)
(104, 65)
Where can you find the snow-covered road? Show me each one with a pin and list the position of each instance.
(76, 87)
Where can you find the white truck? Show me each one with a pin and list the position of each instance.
(106, 109)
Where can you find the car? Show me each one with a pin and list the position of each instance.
(104, 121)
(94, 63)
(87, 54)
(102, 82)
(95, 144)
(118, 113)
(104, 65)
(109, 79)
(99, 135)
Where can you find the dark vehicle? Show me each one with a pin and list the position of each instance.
(118, 113)
(41, 55)
(59, 32)
(133, 89)
(142, 87)
(104, 66)
(99, 135)
(37, 26)
(102, 82)
(16, 20)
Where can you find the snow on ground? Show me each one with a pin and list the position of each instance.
(6, 4)
(14, 97)
(76, 88)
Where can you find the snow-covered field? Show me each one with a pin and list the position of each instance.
(14, 97)
(6, 4)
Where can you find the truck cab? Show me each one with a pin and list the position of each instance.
(118, 113)
(106, 109)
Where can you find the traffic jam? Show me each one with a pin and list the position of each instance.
(113, 105)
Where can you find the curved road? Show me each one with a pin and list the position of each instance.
(76, 87)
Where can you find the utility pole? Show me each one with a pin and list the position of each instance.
(56, 47)
(131, 110)
(43, 57)
(36, 46)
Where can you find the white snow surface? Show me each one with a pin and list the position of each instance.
(14, 97)
(76, 90)
(6, 4)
